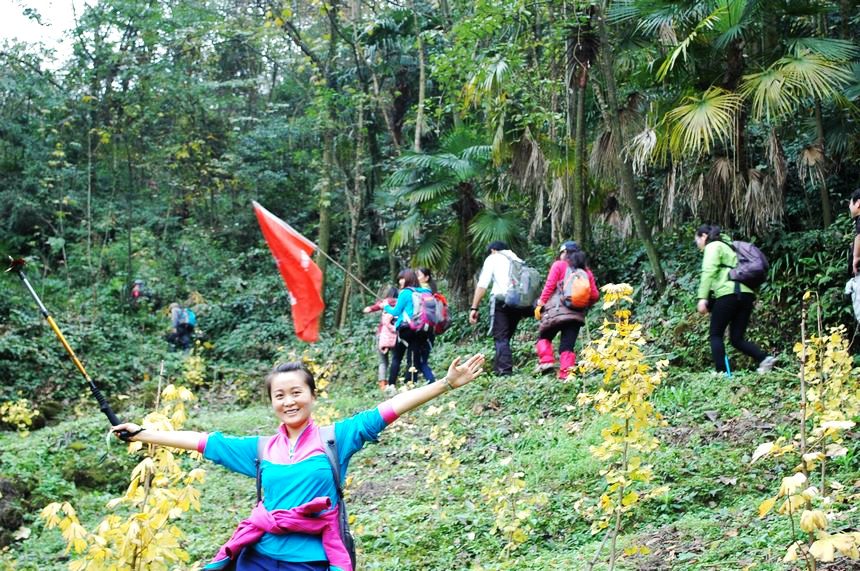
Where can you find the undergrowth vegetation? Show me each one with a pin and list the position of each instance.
(508, 473)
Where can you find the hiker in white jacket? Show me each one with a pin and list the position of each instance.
(497, 270)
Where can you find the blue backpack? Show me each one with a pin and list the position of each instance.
(188, 317)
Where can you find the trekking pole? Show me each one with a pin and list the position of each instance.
(728, 369)
(18, 266)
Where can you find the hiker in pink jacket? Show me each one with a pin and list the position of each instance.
(558, 315)
(386, 334)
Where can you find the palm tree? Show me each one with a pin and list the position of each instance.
(452, 207)
(797, 75)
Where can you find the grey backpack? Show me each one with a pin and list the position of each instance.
(752, 266)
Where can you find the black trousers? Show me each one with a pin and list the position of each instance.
(569, 333)
(732, 311)
(505, 321)
(415, 345)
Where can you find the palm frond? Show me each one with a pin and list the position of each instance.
(490, 225)
(463, 169)
(734, 18)
(833, 49)
(776, 160)
(680, 50)
(622, 11)
(771, 92)
(811, 165)
(478, 153)
(640, 150)
(434, 250)
(402, 177)
(760, 206)
(852, 91)
(813, 74)
(407, 231)
(428, 192)
(701, 121)
(529, 164)
(601, 162)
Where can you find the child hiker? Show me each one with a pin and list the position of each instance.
(386, 334)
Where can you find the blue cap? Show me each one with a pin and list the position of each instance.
(569, 245)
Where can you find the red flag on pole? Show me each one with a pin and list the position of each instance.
(303, 278)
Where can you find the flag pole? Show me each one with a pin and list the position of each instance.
(347, 272)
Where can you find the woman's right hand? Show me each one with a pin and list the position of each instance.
(129, 427)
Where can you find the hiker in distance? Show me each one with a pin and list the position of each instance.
(505, 314)
(410, 342)
(731, 302)
(295, 472)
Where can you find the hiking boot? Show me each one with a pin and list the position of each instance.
(545, 368)
(766, 365)
(390, 390)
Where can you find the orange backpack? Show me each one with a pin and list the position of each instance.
(576, 289)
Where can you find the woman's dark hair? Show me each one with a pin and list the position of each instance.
(409, 277)
(855, 196)
(576, 259)
(391, 292)
(713, 232)
(430, 281)
(498, 246)
(288, 368)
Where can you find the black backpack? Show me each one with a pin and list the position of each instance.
(330, 447)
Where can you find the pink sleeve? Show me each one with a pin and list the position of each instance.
(201, 444)
(387, 412)
(556, 274)
(595, 293)
(376, 306)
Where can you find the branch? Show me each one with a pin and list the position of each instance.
(294, 34)
(32, 67)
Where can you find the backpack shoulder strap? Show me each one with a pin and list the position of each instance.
(258, 462)
(330, 446)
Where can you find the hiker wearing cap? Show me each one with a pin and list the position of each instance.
(569, 291)
(504, 316)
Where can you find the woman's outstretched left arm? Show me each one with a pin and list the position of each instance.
(458, 374)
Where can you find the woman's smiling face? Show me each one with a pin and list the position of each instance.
(292, 399)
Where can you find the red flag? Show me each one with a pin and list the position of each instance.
(303, 278)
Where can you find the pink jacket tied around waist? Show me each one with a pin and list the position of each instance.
(307, 518)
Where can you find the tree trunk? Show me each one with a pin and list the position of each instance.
(422, 81)
(625, 170)
(355, 203)
(826, 208)
(324, 231)
(580, 201)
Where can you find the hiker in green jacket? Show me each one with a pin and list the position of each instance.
(731, 303)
